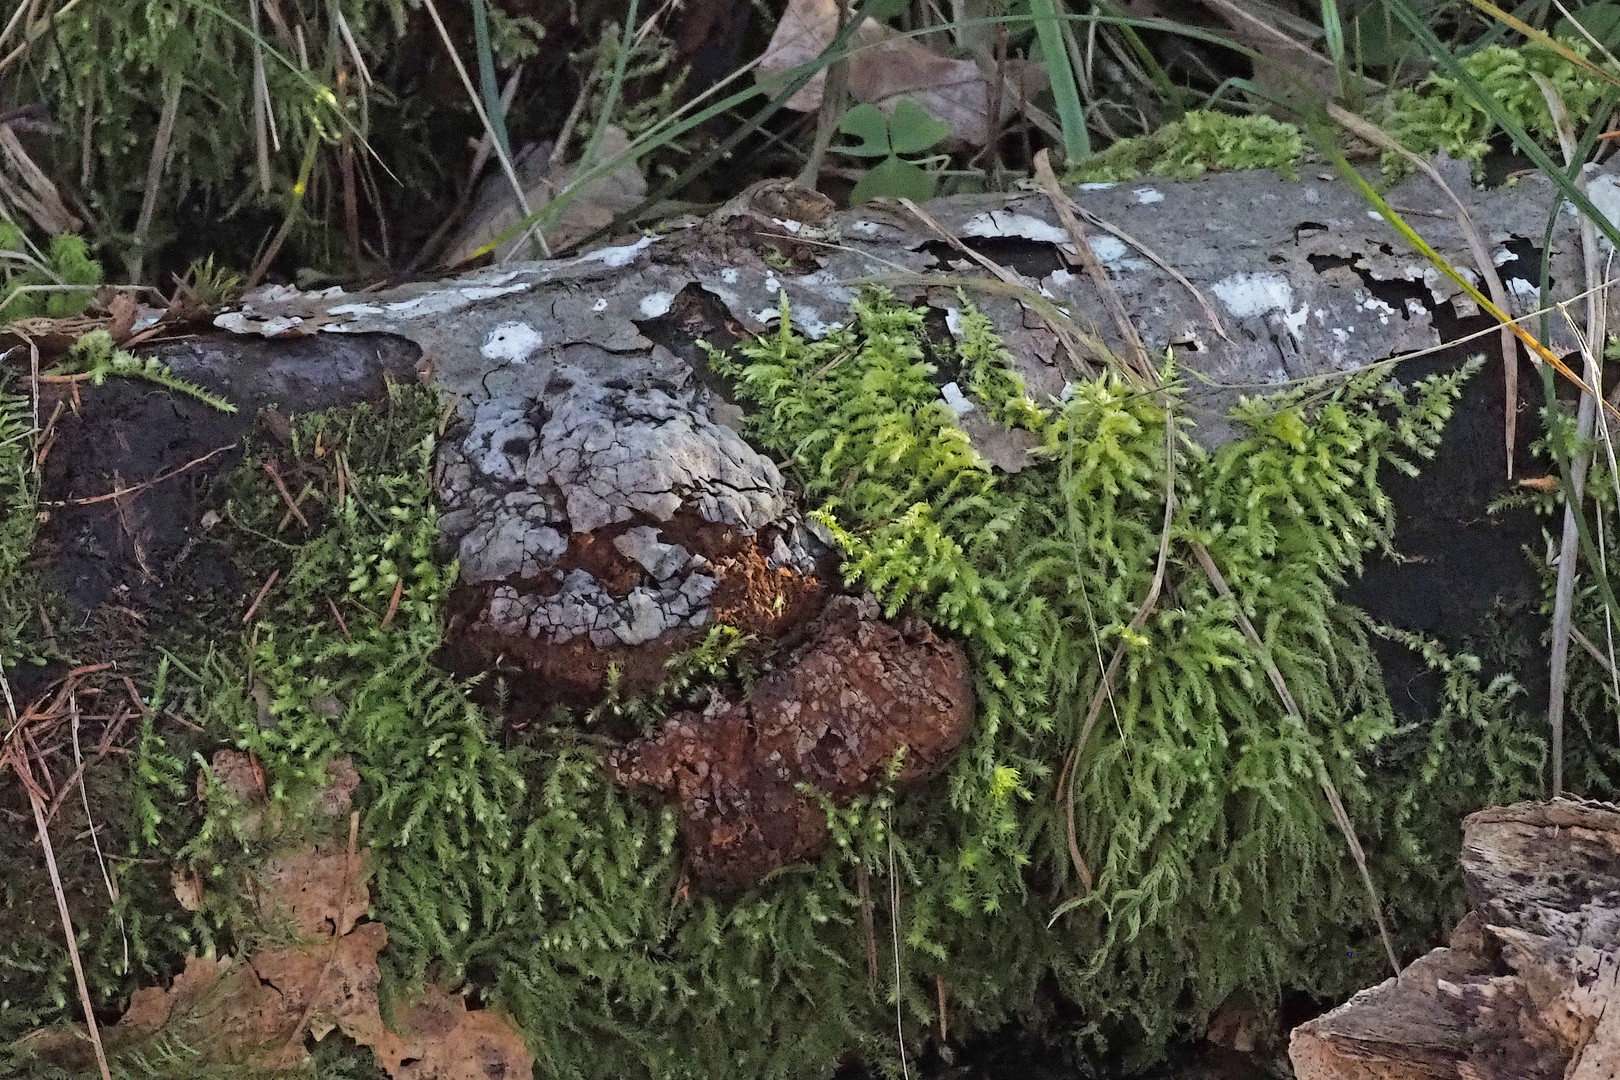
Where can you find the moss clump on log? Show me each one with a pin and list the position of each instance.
(511, 861)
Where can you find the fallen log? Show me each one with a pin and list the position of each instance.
(1529, 985)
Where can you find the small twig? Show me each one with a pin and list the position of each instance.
(281, 486)
(287, 518)
(263, 592)
(138, 488)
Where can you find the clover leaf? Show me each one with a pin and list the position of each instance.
(909, 130)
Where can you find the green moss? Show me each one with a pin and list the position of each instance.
(1438, 114)
(515, 863)
(29, 287)
(1200, 141)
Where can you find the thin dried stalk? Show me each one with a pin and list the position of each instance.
(1329, 789)
(44, 203)
(154, 174)
(831, 114)
(261, 102)
(20, 762)
(1376, 135)
(1585, 420)
(1088, 259)
(483, 118)
(1073, 342)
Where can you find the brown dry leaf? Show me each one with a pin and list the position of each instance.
(124, 311)
(889, 66)
(188, 889)
(341, 780)
(495, 210)
(246, 1011)
(444, 1041)
(306, 891)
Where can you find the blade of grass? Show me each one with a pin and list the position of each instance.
(486, 77)
(484, 118)
(318, 90)
(610, 98)
(1065, 91)
(1333, 30)
(1566, 467)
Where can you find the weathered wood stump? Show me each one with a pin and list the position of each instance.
(1528, 988)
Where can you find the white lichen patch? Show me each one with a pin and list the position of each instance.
(1249, 295)
(1147, 196)
(1005, 223)
(655, 304)
(616, 257)
(1110, 251)
(512, 343)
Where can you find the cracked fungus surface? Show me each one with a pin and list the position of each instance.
(531, 474)
(832, 717)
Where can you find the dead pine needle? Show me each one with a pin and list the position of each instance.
(281, 487)
(263, 592)
(393, 603)
(338, 615)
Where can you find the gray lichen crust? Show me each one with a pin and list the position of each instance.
(530, 473)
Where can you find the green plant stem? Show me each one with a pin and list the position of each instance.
(486, 77)
(1065, 91)
(611, 98)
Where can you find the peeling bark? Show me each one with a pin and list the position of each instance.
(1529, 986)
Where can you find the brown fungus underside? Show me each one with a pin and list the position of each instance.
(858, 695)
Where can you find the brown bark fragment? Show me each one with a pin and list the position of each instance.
(832, 717)
(1529, 987)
